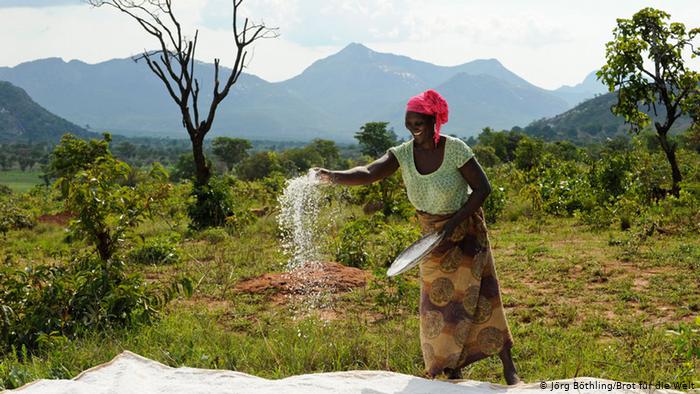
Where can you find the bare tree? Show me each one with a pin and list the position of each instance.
(174, 64)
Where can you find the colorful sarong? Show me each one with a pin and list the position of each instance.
(461, 314)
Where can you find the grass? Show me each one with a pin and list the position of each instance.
(20, 181)
(575, 308)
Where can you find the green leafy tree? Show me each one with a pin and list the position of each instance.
(231, 150)
(375, 139)
(644, 63)
(106, 210)
(259, 165)
(563, 150)
(486, 155)
(529, 153)
(329, 152)
(299, 160)
(125, 150)
(185, 168)
(73, 154)
(504, 143)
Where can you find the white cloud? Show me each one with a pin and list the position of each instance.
(547, 42)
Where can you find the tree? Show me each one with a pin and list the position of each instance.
(644, 62)
(73, 154)
(329, 152)
(486, 155)
(174, 64)
(259, 165)
(529, 153)
(231, 150)
(375, 139)
(126, 150)
(185, 168)
(503, 142)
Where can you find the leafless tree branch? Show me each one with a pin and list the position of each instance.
(175, 65)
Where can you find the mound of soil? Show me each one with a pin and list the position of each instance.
(61, 218)
(311, 278)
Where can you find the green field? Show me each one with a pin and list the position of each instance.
(20, 181)
(579, 303)
(600, 275)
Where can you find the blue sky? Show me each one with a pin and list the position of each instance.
(549, 43)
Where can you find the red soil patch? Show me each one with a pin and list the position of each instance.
(312, 278)
(60, 219)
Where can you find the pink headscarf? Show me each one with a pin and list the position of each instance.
(431, 103)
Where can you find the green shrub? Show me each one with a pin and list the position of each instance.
(389, 193)
(238, 220)
(212, 235)
(391, 241)
(14, 217)
(106, 210)
(563, 188)
(212, 203)
(494, 204)
(611, 176)
(157, 251)
(353, 242)
(598, 217)
(389, 292)
(44, 303)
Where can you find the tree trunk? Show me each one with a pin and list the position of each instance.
(203, 174)
(670, 151)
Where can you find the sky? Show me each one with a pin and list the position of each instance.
(548, 42)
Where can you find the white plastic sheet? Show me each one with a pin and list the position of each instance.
(131, 373)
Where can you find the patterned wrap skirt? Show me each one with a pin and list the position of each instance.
(461, 315)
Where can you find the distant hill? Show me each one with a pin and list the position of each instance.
(590, 121)
(331, 99)
(23, 120)
(358, 85)
(585, 90)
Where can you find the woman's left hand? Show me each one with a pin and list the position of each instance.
(449, 228)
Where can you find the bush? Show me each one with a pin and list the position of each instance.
(157, 251)
(563, 188)
(611, 176)
(43, 303)
(13, 217)
(371, 241)
(494, 204)
(392, 240)
(212, 235)
(353, 242)
(213, 203)
(389, 194)
(106, 210)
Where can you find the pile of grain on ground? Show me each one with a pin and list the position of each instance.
(310, 278)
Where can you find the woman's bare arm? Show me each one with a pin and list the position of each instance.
(481, 188)
(363, 175)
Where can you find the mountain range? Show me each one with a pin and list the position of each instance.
(332, 98)
(23, 120)
(592, 121)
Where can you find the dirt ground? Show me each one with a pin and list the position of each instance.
(312, 278)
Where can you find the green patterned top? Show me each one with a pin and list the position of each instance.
(444, 190)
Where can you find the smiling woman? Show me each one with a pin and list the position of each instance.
(461, 313)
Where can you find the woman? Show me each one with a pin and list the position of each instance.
(462, 317)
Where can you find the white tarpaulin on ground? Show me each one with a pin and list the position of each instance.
(133, 374)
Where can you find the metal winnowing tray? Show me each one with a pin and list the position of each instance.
(415, 253)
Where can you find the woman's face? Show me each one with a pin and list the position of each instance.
(421, 126)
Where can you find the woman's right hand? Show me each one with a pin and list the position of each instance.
(324, 175)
